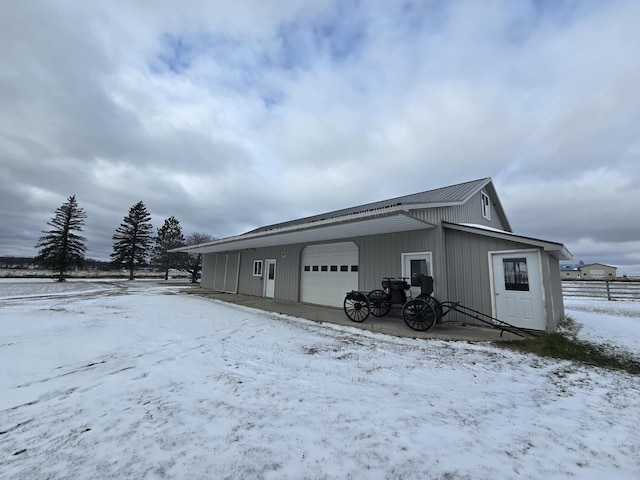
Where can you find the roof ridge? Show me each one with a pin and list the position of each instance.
(447, 187)
(419, 197)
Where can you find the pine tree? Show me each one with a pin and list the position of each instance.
(169, 236)
(133, 239)
(192, 262)
(61, 248)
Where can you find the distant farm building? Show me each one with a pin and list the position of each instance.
(593, 271)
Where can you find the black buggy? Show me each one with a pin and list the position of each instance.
(419, 313)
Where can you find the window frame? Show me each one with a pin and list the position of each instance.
(515, 273)
(257, 268)
(485, 201)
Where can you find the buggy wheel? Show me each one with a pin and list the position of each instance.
(380, 304)
(356, 306)
(437, 306)
(419, 315)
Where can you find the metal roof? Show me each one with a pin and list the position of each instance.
(444, 196)
(375, 218)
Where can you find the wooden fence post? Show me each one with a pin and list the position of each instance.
(608, 290)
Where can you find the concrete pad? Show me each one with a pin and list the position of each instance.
(391, 324)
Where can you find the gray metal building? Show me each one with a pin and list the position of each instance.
(459, 234)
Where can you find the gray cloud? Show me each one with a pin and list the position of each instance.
(235, 115)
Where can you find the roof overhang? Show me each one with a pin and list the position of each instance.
(376, 222)
(557, 250)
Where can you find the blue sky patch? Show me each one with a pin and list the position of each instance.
(176, 53)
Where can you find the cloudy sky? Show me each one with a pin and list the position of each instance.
(233, 115)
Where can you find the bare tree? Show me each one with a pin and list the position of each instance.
(192, 262)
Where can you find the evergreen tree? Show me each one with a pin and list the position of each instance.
(192, 262)
(169, 236)
(133, 239)
(61, 248)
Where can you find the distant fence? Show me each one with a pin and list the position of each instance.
(605, 289)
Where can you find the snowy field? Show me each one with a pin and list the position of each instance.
(137, 380)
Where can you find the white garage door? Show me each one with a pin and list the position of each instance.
(328, 272)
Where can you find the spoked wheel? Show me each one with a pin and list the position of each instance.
(437, 306)
(356, 306)
(380, 304)
(419, 315)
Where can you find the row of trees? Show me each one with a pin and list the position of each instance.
(62, 247)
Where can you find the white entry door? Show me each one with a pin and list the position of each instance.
(270, 278)
(413, 265)
(517, 288)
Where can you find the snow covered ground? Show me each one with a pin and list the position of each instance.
(136, 380)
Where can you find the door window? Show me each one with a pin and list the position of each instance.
(516, 276)
(417, 267)
(414, 265)
(271, 274)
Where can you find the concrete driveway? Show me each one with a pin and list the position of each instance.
(391, 324)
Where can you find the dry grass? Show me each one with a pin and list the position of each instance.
(565, 345)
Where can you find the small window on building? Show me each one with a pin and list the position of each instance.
(324, 268)
(307, 268)
(516, 275)
(315, 268)
(486, 206)
(257, 268)
(344, 268)
(334, 268)
(354, 268)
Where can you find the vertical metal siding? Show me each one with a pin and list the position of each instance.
(381, 255)
(248, 283)
(208, 270)
(220, 271)
(287, 259)
(231, 272)
(469, 212)
(554, 301)
(468, 270)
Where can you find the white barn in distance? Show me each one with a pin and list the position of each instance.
(459, 234)
(591, 271)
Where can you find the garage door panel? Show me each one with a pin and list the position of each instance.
(328, 272)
